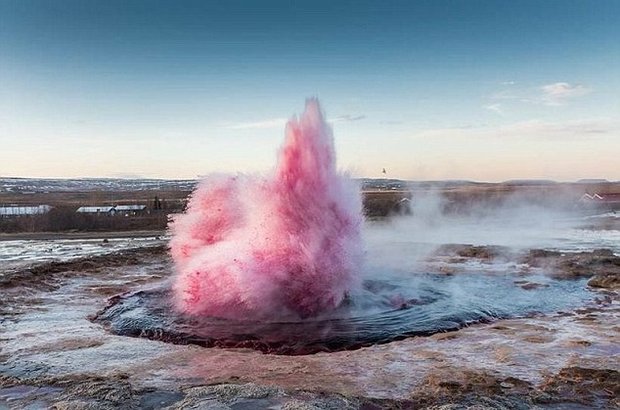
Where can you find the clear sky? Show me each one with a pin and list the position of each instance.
(482, 90)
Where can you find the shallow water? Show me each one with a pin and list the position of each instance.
(25, 252)
(385, 310)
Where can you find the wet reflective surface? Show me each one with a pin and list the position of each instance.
(17, 253)
(384, 311)
(53, 355)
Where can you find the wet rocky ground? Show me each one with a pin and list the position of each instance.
(53, 356)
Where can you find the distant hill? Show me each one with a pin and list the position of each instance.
(50, 185)
(38, 185)
(529, 182)
(593, 181)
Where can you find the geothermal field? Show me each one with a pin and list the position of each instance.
(289, 290)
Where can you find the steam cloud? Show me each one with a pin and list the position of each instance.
(269, 247)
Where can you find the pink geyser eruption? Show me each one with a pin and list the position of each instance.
(269, 247)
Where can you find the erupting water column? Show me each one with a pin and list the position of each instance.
(268, 248)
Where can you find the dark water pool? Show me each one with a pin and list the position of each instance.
(385, 310)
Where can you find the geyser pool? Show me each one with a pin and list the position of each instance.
(287, 244)
(274, 264)
(382, 311)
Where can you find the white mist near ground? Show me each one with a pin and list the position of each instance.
(401, 242)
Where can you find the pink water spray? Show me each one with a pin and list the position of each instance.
(271, 247)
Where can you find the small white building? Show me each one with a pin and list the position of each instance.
(113, 210)
(607, 200)
(588, 198)
(15, 210)
(109, 210)
(128, 210)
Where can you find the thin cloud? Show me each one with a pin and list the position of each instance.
(559, 93)
(496, 108)
(535, 129)
(554, 94)
(275, 123)
(266, 124)
(347, 118)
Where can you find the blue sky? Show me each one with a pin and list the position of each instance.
(482, 90)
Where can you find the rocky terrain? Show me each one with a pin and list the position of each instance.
(52, 355)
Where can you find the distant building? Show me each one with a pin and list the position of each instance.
(587, 197)
(122, 208)
(109, 210)
(611, 201)
(126, 210)
(14, 210)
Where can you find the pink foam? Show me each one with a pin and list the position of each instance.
(268, 247)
